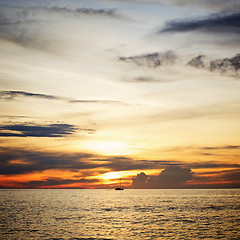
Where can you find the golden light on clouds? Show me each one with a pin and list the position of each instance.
(117, 98)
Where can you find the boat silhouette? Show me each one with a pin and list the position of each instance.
(119, 188)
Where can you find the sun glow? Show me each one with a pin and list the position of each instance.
(109, 147)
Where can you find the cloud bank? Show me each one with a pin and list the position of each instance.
(170, 177)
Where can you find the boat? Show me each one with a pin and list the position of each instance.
(119, 188)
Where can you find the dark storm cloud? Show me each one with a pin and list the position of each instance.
(25, 130)
(12, 95)
(218, 23)
(170, 177)
(152, 60)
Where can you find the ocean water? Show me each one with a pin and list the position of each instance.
(128, 214)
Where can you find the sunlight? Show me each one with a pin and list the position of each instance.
(109, 147)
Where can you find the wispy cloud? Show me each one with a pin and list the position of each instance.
(218, 23)
(12, 95)
(152, 60)
(213, 4)
(30, 27)
(86, 11)
(143, 79)
(228, 147)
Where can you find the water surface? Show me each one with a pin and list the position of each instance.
(128, 214)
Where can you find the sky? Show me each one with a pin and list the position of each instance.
(93, 91)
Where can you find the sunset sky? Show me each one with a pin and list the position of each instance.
(97, 90)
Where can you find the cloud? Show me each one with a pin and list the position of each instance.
(223, 66)
(32, 27)
(86, 11)
(15, 161)
(171, 177)
(52, 130)
(12, 95)
(228, 66)
(218, 23)
(217, 179)
(55, 181)
(222, 147)
(213, 4)
(140, 181)
(152, 60)
(143, 79)
(20, 161)
(37, 161)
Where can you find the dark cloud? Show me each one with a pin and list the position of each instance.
(140, 181)
(218, 23)
(226, 64)
(223, 66)
(152, 60)
(51, 182)
(198, 61)
(216, 165)
(25, 130)
(35, 161)
(55, 181)
(15, 161)
(217, 179)
(12, 95)
(222, 147)
(171, 177)
(125, 163)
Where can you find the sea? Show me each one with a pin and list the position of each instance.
(128, 214)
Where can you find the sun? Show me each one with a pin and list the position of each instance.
(111, 175)
(109, 147)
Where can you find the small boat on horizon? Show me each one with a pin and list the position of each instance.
(119, 188)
